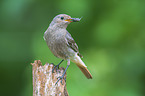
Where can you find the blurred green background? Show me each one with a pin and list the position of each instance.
(110, 36)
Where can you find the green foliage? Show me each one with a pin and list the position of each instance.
(110, 36)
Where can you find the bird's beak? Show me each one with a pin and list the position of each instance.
(73, 19)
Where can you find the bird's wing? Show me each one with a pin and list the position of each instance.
(71, 43)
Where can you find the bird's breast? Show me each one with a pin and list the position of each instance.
(57, 44)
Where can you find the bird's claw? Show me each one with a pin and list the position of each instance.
(55, 67)
(60, 78)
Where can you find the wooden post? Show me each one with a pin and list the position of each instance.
(44, 80)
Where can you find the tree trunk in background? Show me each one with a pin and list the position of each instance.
(44, 80)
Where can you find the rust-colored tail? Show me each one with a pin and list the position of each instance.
(82, 66)
(85, 71)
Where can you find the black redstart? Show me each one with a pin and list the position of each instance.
(62, 45)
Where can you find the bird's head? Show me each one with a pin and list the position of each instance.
(63, 20)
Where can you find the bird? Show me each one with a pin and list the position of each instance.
(62, 45)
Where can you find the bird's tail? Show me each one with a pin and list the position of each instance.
(82, 66)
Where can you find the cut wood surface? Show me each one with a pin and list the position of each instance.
(44, 80)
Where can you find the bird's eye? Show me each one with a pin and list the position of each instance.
(62, 18)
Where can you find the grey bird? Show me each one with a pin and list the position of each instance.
(62, 45)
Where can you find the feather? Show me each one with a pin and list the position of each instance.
(72, 44)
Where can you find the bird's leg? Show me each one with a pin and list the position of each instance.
(62, 77)
(57, 66)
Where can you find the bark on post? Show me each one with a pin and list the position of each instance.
(44, 80)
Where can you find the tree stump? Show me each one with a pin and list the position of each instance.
(44, 80)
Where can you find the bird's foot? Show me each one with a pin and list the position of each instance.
(60, 78)
(56, 67)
